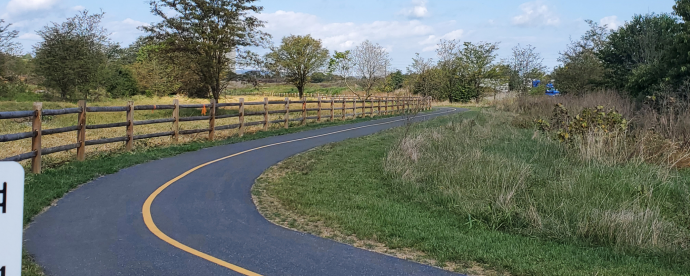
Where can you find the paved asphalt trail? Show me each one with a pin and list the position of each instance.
(98, 228)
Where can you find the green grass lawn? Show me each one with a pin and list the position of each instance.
(471, 188)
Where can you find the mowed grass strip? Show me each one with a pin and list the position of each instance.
(473, 190)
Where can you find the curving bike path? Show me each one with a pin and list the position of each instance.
(193, 214)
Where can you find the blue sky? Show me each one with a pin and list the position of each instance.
(404, 27)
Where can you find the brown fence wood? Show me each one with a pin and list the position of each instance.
(241, 132)
(16, 114)
(304, 111)
(176, 122)
(53, 112)
(36, 139)
(396, 104)
(81, 132)
(130, 126)
(287, 112)
(364, 112)
(265, 114)
(318, 113)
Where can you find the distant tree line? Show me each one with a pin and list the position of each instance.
(194, 50)
(646, 57)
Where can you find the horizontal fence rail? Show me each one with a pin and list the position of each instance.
(349, 107)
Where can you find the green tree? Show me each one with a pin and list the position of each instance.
(424, 78)
(581, 70)
(526, 64)
(71, 53)
(318, 77)
(211, 32)
(679, 53)
(159, 72)
(478, 67)
(297, 58)
(7, 46)
(396, 80)
(366, 67)
(638, 56)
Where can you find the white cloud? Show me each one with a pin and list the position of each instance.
(125, 31)
(417, 11)
(342, 36)
(78, 8)
(24, 6)
(535, 14)
(29, 36)
(611, 22)
(433, 39)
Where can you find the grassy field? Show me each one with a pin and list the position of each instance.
(473, 193)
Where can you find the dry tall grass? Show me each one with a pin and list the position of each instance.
(659, 130)
(506, 178)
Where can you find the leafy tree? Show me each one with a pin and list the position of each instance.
(464, 71)
(450, 84)
(211, 33)
(318, 77)
(637, 56)
(7, 46)
(396, 80)
(582, 71)
(527, 65)
(71, 53)
(425, 78)
(679, 55)
(477, 66)
(365, 67)
(160, 72)
(297, 58)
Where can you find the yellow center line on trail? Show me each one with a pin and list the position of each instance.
(148, 219)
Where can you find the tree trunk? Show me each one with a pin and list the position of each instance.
(301, 91)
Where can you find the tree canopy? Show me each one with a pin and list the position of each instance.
(297, 58)
(212, 33)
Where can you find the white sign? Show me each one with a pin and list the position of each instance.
(11, 218)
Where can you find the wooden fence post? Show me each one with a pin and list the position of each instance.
(287, 112)
(395, 105)
(354, 108)
(364, 111)
(318, 113)
(378, 112)
(405, 105)
(212, 121)
(304, 110)
(81, 132)
(130, 126)
(343, 111)
(385, 109)
(265, 114)
(241, 117)
(36, 140)
(332, 103)
(176, 123)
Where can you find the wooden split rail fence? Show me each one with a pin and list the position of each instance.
(376, 106)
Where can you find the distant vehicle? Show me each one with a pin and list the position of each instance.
(550, 89)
